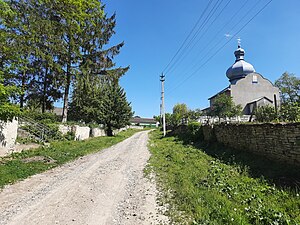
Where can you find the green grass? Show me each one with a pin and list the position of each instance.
(201, 189)
(16, 167)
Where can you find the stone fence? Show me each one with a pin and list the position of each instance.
(82, 133)
(8, 135)
(279, 142)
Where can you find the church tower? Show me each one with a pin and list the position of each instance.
(247, 87)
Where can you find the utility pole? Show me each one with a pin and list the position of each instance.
(162, 79)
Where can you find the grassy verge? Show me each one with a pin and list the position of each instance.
(22, 165)
(200, 189)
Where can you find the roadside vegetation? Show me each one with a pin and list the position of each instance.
(203, 187)
(19, 166)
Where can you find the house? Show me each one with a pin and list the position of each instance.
(147, 122)
(247, 87)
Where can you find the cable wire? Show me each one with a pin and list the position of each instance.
(215, 53)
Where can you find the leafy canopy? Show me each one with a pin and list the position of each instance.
(223, 106)
(289, 86)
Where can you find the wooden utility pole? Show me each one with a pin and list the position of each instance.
(162, 79)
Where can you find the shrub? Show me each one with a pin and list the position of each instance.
(266, 114)
(290, 112)
(45, 118)
(195, 131)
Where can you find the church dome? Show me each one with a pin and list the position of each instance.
(240, 68)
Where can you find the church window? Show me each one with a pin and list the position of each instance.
(254, 79)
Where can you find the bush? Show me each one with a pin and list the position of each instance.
(266, 114)
(45, 118)
(195, 131)
(290, 112)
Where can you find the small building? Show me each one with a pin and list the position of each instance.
(146, 122)
(247, 87)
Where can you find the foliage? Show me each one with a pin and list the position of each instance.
(266, 114)
(14, 168)
(7, 110)
(45, 118)
(290, 112)
(46, 44)
(116, 111)
(180, 114)
(289, 86)
(193, 115)
(200, 189)
(105, 104)
(223, 106)
(194, 132)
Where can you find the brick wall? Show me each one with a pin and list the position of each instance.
(275, 141)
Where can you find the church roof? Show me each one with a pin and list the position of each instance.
(258, 99)
(220, 92)
(240, 68)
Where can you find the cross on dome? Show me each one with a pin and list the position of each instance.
(239, 41)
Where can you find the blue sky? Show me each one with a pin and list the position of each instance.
(154, 30)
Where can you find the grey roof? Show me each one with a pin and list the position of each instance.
(258, 99)
(220, 92)
(142, 120)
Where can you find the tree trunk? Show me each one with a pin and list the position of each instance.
(44, 92)
(22, 96)
(109, 131)
(66, 96)
(67, 87)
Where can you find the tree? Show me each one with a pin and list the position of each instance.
(85, 37)
(31, 36)
(180, 114)
(7, 110)
(289, 86)
(194, 115)
(86, 98)
(116, 111)
(223, 106)
(290, 112)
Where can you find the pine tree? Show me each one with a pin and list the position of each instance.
(115, 109)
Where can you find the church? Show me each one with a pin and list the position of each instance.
(247, 87)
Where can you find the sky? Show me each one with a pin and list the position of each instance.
(154, 31)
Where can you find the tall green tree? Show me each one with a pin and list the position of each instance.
(223, 106)
(100, 100)
(289, 86)
(32, 39)
(180, 114)
(116, 110)
(7, 110)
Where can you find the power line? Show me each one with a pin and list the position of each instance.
(221, 40)
(212, 40)
(233, 36)
(203, 34)
(203, 24)
(198, 21)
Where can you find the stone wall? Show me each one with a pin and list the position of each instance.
(81, 133)
(8, 135)
(97, 132)
(275, 141)
(64, 129)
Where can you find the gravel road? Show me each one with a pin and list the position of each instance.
(108, 188)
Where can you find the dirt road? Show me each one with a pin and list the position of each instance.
(103, 188)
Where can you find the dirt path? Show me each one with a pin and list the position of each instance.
(103, 188)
